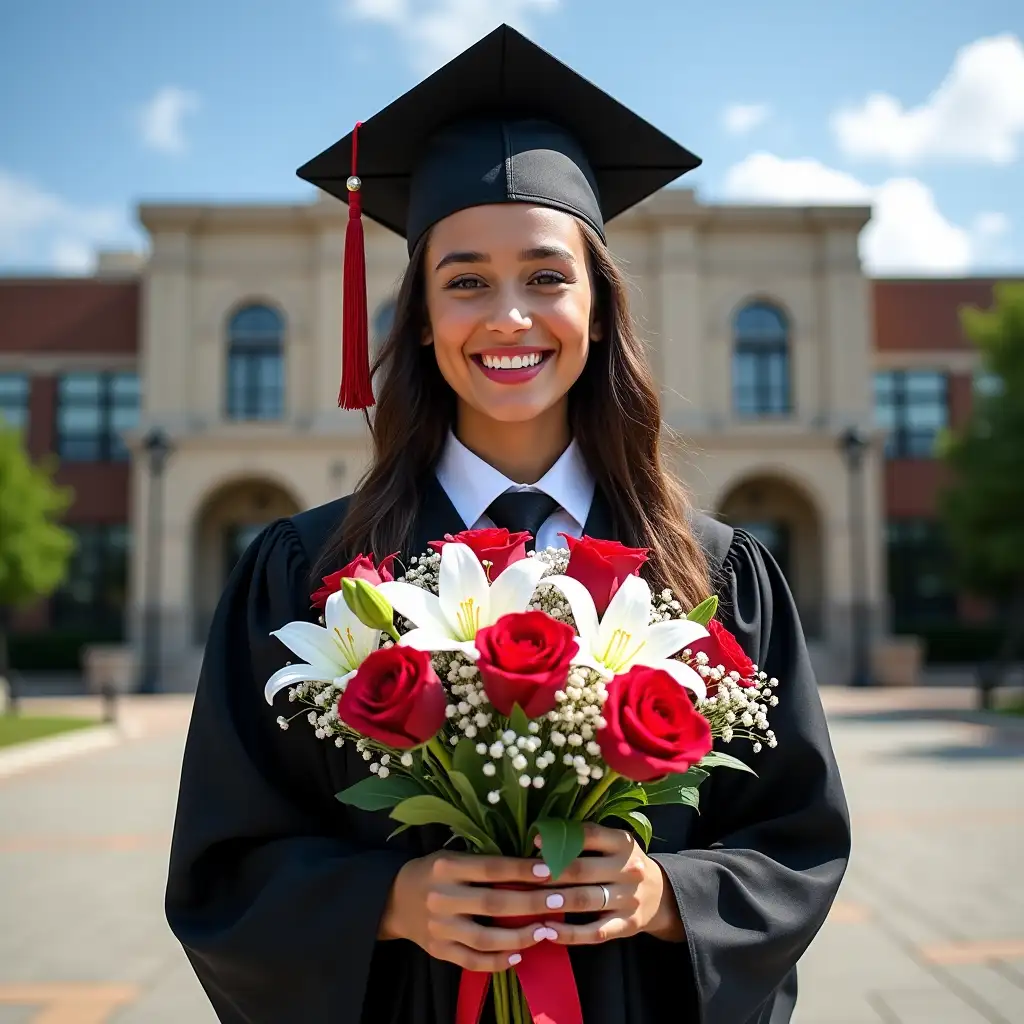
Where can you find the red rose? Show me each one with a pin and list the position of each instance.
(394, 698)
(524, 659)
(651, 727)
(723, 649)
(499, 547)
(602, 565)
(360, 568)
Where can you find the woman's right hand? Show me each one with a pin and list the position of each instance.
(434, 899)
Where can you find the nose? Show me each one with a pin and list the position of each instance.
(509, 321)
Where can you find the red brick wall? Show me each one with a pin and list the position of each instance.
(52, 316)
(924, 315)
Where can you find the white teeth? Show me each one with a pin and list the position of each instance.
(512, 362)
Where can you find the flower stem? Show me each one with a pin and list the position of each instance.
(499, 990)
(437, 748)
(515, 997)
(595, 795)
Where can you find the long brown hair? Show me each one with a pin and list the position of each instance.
(614, 415)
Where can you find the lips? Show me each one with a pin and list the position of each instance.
(511, 366)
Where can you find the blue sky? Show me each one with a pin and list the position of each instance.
(921, 113)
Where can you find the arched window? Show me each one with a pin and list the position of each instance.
(256, 364)
(760, 361)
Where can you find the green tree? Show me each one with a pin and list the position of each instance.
(984, 508)
(34, 549)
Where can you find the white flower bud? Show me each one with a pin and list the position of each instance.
(407, 760)
(282, 721)
(509, 737)
(375, 768)
(467, 671)
(481, 719)
(599, 723)
(464, 708)
(451, 711)
(470, 731)
(519, 762)
(593, 749)
(384, 772)
(489, 770)
(497, 750)
(558, 739)
(454, 741)
(575, 740)
(481, 749)
(521, 742)
(339, 741)
(757, 748)
(493, 797)
(567, 760)
(525, 781)
(534, 727)
(596, 772)
(311, 718)
(319, 734)
(538, 782)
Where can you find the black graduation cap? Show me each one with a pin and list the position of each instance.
(505, 121)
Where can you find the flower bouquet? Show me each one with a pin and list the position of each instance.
(508, 695)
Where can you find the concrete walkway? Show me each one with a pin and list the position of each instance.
(929, 926)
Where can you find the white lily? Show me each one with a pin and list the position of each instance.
(331, 654)
(625, 636)
(465, 601)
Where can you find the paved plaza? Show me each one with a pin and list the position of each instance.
(928, 929)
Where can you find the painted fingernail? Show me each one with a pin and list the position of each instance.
(555, 901)
(540, 934)
(541, 870)
(536, 841)
(551, 934)
(514, 959)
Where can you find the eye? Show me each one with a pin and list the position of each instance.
(465, 283)
(548, 277)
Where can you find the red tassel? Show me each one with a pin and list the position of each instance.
(356, 391)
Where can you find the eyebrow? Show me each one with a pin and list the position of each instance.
(540, 252)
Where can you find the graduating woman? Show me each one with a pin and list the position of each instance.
(512, 392)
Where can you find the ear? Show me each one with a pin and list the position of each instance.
(596, 326)
(427, 338)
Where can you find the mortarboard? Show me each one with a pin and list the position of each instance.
(504, 121)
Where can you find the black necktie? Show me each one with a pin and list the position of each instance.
(522, 510)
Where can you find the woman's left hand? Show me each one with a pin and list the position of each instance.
(639, 898)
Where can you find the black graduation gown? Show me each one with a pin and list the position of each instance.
(275, 889)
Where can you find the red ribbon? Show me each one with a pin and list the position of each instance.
(545, 975)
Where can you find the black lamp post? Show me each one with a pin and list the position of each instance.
(157, 446)
(854, 443)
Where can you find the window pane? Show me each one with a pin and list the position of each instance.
(256, 322)
(14, 399)
(760, 322)
(80, 387)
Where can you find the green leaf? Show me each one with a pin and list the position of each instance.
(518, 722)
(621, 806)
(641, 825)
(469, 797)
(704, 612)
(669, 789)
(567, 783)
(432, 810)
(465, 759)
(399, 830)
(716, 759)
(561, 842)
(377, 794)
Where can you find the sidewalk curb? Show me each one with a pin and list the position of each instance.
(38, 753)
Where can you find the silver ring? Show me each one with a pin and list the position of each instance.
(607, 896)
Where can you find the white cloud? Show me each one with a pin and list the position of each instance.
(740, 118)
(908, 233)
(434, 31)
(976, 113)
(40, 229)
(991, 225)
(161, 120)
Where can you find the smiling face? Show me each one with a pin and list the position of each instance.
(510, 307)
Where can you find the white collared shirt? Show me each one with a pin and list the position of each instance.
(473, 484)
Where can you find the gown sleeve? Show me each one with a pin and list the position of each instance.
(769, 853)
(277, 910)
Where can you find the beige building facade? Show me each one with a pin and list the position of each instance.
(760, 332)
